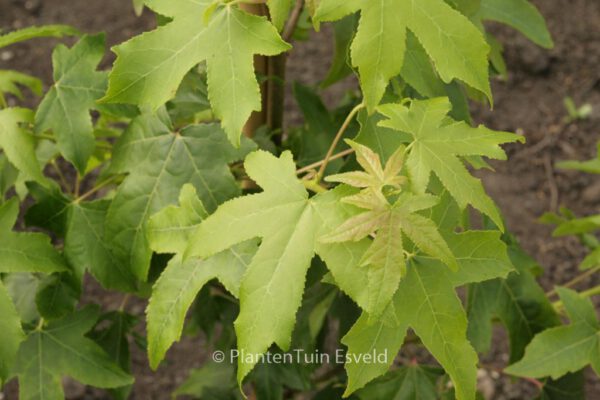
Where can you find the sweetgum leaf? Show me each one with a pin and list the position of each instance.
(289, 223)
(160, 162)
(437, 144)
(65, 110)
(456, 46)
(150, 67)
(61, 349)
(560, 350)
(426, 301)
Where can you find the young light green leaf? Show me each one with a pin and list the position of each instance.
(12, 333)
(437, 144)
(160, 162)
(389, 222)
(289, 224)
(25, 252)
(521, 15)
(61, 349)
(170, 51)
(10, 82)
(18, 144)
(426, 301)
(456, 46)
(33, 32)
(270, 294)
(557, 351)
(65, 109)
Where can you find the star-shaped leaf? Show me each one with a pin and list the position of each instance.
(160, 162)
(390, 223)
(150, 67)
(557, 351)
(61, 349)
(180, 282)
(437, 144)
(457, 48)
(65, 110)
(426, 301)
(289, 223)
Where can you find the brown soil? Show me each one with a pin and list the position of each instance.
(530, 102)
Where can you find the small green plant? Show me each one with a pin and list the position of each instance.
(576, 113)
(308, 256)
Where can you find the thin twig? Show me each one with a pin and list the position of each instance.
(575, 280)
(337, 139)
(290, 27)
(551, 183)
(312, 166)
(96, 188)
(61, 177)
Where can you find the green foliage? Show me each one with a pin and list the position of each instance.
(336, 234)
(199, 32)
(564, 349)
(65, 108)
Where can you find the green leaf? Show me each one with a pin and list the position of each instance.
(87, 247)
(61, 349)
(170, 51)
(33, 32)
(437, 144)
(289, 224)
(57, 295)
(113, 338)
(66, 107)
(160, 162)
(18, 144)
(563, 349)
(25, 252)
(343, 31)
(178, 286)
(10, 82)
(427, 302)
(517, 301)
(521, 15)
(211, 375)
(412, 382)
(279, 11)
(390, 223)
(12, 334)
(456, 46)
(170, 228)
(591, 166)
